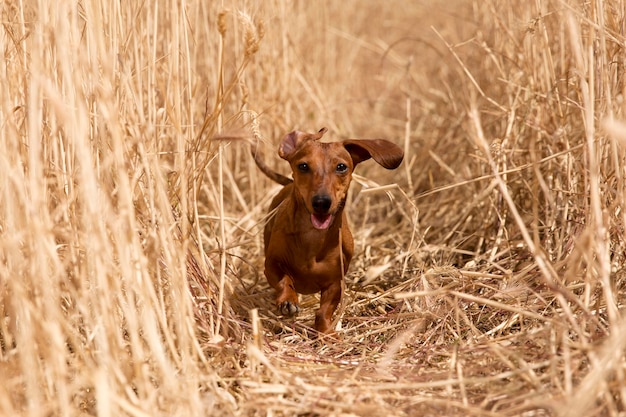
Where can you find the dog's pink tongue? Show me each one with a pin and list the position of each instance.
(321, 221)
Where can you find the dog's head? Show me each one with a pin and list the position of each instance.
(322, 171)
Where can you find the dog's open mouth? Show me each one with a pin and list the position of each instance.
(321, 221)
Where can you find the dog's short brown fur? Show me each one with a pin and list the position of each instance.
(308, 245)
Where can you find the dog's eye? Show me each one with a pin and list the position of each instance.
(342, 168)
(303, 167)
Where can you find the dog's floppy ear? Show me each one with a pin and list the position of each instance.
(293, 140)
(289, 144)
(386, 154)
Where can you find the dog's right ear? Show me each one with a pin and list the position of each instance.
(289, 144)
(294, 139)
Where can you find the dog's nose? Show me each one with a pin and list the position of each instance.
(321, 203)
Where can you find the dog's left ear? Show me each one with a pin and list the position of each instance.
(386, 154)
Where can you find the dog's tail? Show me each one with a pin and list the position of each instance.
(273, 175)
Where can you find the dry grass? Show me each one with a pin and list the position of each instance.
(489, 277)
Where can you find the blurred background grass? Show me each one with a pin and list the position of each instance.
(487, 281)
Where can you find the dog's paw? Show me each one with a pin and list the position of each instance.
(288, 308)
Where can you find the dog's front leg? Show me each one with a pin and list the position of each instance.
(329, 300)
(286, 296)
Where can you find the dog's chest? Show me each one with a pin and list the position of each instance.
(314, 276)
(313, 267)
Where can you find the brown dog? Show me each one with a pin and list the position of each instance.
(308, 245)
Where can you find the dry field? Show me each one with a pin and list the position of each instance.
(489, 277)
